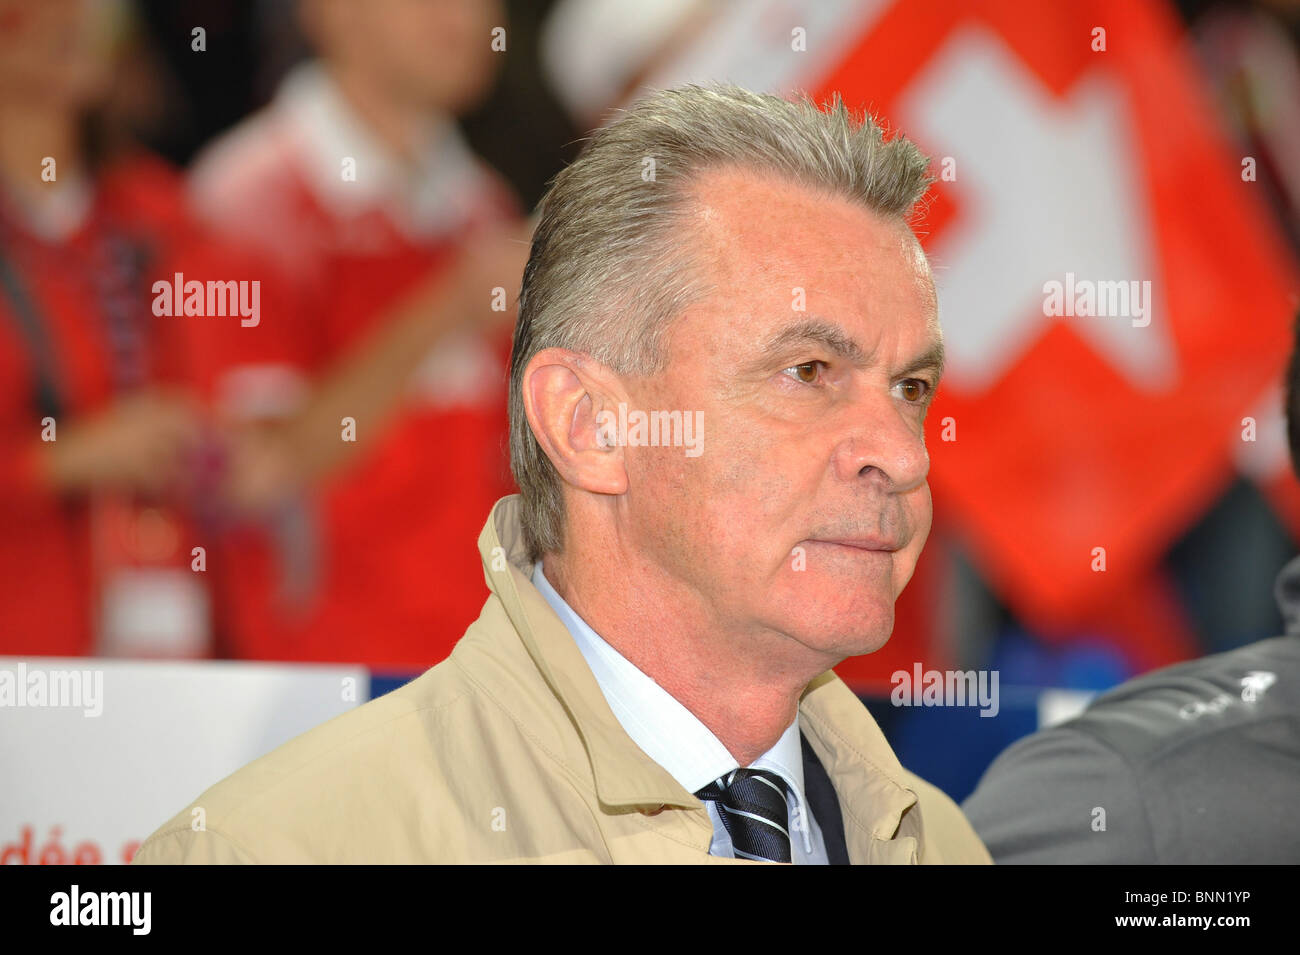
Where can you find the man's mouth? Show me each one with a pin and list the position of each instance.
(877, 544)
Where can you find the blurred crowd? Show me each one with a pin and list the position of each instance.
(254, 409)
(257, 291)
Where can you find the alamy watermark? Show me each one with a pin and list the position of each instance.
(1101, 299)
(212, 299)
(652, 429)
(946, 688)
(129, 909)
(34, 686)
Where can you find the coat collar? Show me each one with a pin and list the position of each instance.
(868, 778)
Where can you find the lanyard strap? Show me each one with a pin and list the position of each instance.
(118, 266)
(118, 269)
(31, 328)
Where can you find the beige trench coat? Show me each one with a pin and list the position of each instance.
(507, 752)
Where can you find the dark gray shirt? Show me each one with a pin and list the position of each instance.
(1193, 763)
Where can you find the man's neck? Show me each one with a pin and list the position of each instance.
(744, 686)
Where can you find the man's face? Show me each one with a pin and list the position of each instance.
(813, 362)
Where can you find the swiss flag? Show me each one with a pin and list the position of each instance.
(1079, 150)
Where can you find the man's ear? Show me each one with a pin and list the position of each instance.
(571, 403)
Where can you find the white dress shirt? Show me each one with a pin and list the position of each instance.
(673, 736)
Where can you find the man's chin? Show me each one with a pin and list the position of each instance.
(851, 635)
(859, 643)
(826, 612)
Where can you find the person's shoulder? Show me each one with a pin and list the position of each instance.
(318, 797)
(948, 838)
(1186, 738)
(1039, 802)
(250, 169)
(1145, 717)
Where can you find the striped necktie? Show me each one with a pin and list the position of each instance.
(752, 804)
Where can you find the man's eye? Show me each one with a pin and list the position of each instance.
(914, 390)
(806, 373)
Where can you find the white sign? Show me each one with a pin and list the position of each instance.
(96, 754)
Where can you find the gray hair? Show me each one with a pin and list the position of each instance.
(606, 274)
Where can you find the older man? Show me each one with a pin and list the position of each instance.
(727, 343)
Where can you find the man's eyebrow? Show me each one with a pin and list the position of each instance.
(832, 337)
(815, 331)
(931, 358)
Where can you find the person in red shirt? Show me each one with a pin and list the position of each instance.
(98, 432)
(375, 420)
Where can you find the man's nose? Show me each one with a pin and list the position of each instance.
(884, 442)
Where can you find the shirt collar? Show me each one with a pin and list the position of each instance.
(434, 195)
(667, 731)
(56, 214)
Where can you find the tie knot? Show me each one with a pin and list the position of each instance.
(754, 784)
(752, 804)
